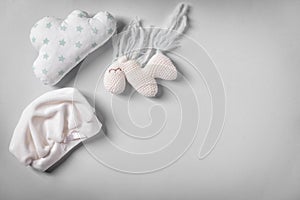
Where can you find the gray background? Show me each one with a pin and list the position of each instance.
(255, 45)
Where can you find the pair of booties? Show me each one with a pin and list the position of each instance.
(142, 79)
(135, 44)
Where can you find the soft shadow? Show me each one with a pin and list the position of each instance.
(99, 115)
(95, 138)
(180, 74)
(127, 91)
(62, 160)
(69, 77)
(97, 109)
(98, 53)
(160, 91)
(121, 23)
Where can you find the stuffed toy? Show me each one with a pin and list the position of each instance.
(139, 56)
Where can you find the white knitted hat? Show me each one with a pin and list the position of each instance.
(51, 126)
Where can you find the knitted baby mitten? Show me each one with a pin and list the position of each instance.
(133, 48)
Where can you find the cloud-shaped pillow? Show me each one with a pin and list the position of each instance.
(62, 44)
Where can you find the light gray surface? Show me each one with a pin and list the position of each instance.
(255, 45)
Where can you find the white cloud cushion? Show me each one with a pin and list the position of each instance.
(62, 44)
(51, 126)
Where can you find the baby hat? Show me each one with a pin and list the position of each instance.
(139, 56)
(51, 126)
(62, 44)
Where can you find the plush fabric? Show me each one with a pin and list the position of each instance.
(51, 126)
(62, 44)
(139, 55)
